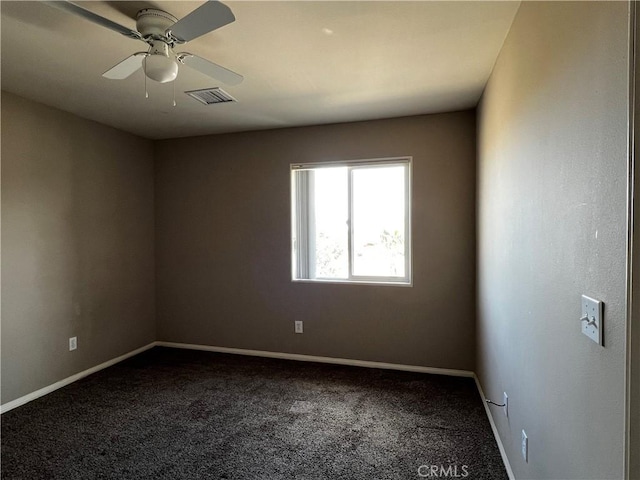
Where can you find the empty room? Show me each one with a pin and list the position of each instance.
(319, 240)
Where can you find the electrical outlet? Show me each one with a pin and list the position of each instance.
(505, 401)
(525, 446)
(73, 343)
(298, 326)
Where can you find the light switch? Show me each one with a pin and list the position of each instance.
(592, 319)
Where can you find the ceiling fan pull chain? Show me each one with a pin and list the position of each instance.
(174, 93)
(146, 93)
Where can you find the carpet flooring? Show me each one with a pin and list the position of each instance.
(180, 414)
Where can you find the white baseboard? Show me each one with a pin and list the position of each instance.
(63, 383)
(503, 453)
(313, 358)
(237, 351)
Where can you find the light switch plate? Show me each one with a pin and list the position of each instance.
(592, 319)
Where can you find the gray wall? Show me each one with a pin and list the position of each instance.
(77, 244)
(223, 245)
(552, 180)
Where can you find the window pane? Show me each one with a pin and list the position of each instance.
(379, 221)
(330, 230)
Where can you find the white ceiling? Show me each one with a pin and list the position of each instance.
(304, 62)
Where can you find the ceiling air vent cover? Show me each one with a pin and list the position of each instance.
(209, 96)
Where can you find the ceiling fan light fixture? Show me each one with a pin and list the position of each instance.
(161, 68)
(160, 64)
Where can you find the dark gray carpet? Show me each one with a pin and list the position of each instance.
(179, 414)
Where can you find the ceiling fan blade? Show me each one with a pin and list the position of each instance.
(211, 69)
(204, 19)
(126, 67)
(95, 18)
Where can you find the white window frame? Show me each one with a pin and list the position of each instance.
(302, 263)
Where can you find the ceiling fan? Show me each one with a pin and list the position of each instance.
(162, 32)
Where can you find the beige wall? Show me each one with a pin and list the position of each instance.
(77, 244)
(223, 245)
(552, 225)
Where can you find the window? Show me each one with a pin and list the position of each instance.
(351, 221)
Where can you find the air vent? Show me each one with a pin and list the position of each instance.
(209, 96)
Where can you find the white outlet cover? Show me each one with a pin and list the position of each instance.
(298, 326)
(505, 400)
(73, 343)
(525, 446)
(592, 319)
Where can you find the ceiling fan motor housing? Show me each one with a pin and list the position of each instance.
(151, 22)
